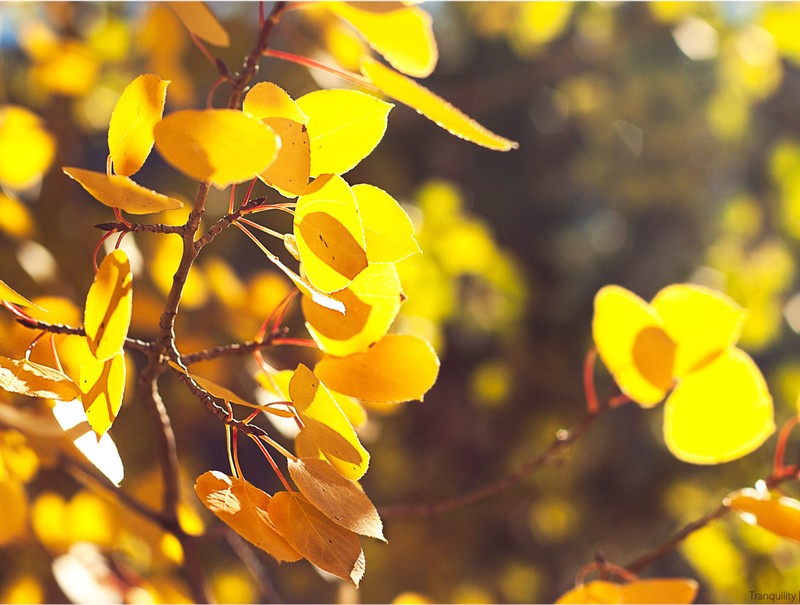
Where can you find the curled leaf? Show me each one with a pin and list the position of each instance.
(117, 191)
(109, 305)
(35, 380)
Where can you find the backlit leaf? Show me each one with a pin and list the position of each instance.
(630, 338)
(341, 500)
(102, 386)
(397, 368)
(388, 230)
(222, 146)
(326, 544)
(290, 171)
(199, 20)
(130, 132)
(109, 305)
(778, 514)
(35, 380)
(344, 126)
(433, 107)
(102, 453)
(268, 100)
(117, 191)
(8, 294)
(244, 508)
(371, 302)
(720, 412)
(26, 148)
(401, 33)
(700, 321)
(657, 590)
(325, 422)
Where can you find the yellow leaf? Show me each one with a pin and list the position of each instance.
(325, 422)
(324, 543)
(402, 34)
(290, 171)
(117, 191)
(657, 590)
(371, 302)
(778, 514)
(109, 305)
(199, 20)
(8, 294)
(102, 453)
(329, 234)
(130, 132)
(397, 368)
(268, 100)
(700, 321)
(433, 107)
(244, 508)
(344, 126)
(630, 338)
(222, 146)
(341, 500)
(26, 148)
(102, 386)
(388, 230)
(35, 380)
(14, 504)
(598, 591)
(719, 413)
(16, 219)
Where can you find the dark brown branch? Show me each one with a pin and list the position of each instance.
(36, 324)
(141, 227)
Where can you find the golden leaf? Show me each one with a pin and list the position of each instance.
(199, 20)
(109, 305)
(117, 191)
(35, 380)
(388, 230)
(102, 387)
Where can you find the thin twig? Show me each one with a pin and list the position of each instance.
(53, 328)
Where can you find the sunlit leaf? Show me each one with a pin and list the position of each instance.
(109, 305)
(700, 321)
(341, 500)
(778, 514)
(35, 380)
(630, 338)
(344, 126)
(244, 508)
(222, 146)
(14, 504)
(371, 303)
(655, 591)
(268, 100)
(26, 148)
(117, 191)
(8, 294)
(199, 20)
(102, 387)
(396, 368)
(719, 413)
(290, 171)
(403, 34)
(130, 132)
(102, 453)
(388, 230)
(326, 544)
(433, 107)
(325, 422)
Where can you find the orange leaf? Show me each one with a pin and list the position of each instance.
(109, 305)
(117, 191)
(8, 294)
(341, 500)
(780, 514)
(199, 20)
(290, 171)
(244, 508)
(396, 368)
(326, 544)
(268, 100)
(35, 380)
(433, 107)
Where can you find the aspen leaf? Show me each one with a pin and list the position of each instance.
(102, 452)
(341, 500)
(244, 508)
(290, 171)
(109, 305)
(344, 126)
(222, 146)
(402, 34)
(117, 191)
(26, 148)
(324, 543)
(371, 301)
(327, 425)
(657, 590)
(199, 20)
(268, 100)
(388, 231)
(102, 385)
(397, 368)
(719, 413)
(35, 380)
(433, 107)
(778, 514)
(14, 504)
(130, 132)
(8, 294)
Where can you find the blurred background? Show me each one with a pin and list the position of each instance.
(659, 143)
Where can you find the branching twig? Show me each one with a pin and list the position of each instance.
(36, 324)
